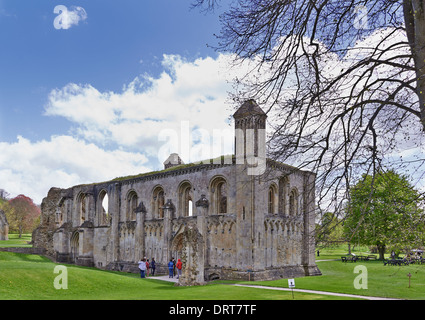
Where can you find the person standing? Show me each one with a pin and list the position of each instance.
(147, 268)
(179, 268)
(142, 267)
(174, 266)
(170, 269)
(152, 265)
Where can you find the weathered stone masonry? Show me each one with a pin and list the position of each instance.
(220, 220)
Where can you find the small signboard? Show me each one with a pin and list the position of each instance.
(291, 283)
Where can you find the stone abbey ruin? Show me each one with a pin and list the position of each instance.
(220, 218)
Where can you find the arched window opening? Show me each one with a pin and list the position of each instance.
(75, 246)
(272, 199)
(293, 202)
(158, 202)
(218, 189)
(131, 206)
(103, 214)
(186, 201)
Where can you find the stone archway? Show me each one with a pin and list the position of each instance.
(188, 245)
(75, 246)
(177, 246)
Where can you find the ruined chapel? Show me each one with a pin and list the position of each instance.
(220, 218)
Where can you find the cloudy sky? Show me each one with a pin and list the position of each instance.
(95, 89)
(91, 90)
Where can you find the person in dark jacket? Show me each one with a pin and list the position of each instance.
(152, 265)
(174, 267)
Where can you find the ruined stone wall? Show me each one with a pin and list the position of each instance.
(42, 236)
(246, 237)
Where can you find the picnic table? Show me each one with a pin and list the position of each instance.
(396, 262)
(349, 258)
(356, 258)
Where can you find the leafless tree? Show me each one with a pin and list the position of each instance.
(343, 82)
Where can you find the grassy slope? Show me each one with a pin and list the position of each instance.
(25, 277)
(31, 277)
(382, 281)
(15, 241)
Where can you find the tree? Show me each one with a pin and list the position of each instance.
(22, 214)
(330, 229)
(384, 211)
(344, 82)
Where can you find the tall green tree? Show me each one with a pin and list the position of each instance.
(330, 229)
(384, 210)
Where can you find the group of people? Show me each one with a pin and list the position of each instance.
(172, 266)
(144, 267)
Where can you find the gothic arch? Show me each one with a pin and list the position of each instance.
(131, 205)
(272, 199)
(218, 194)
(293, 202)
(75, 246)
(158, 202)
(185, 199)
(102, 210)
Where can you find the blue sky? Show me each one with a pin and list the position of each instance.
(88, 99)
(118, 41)
(112, 92)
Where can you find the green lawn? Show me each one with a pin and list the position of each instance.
(15, 241)
(31, 277)
(382, 281)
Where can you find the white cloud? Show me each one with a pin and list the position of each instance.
(68, 17)
(63, 161)
(193, 92)
(118, 133)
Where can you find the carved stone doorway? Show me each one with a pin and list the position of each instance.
(75, 246)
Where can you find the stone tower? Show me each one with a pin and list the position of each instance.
(250, 125)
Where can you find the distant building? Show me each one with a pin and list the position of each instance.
(222, 221)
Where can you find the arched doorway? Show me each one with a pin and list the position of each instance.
(75, 246)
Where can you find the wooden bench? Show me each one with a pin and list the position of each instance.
(371, 257)
(349, 258)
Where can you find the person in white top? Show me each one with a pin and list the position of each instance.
(142, 267)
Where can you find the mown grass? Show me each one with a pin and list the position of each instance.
(31, 277)
(382, 281)
(15, 241)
